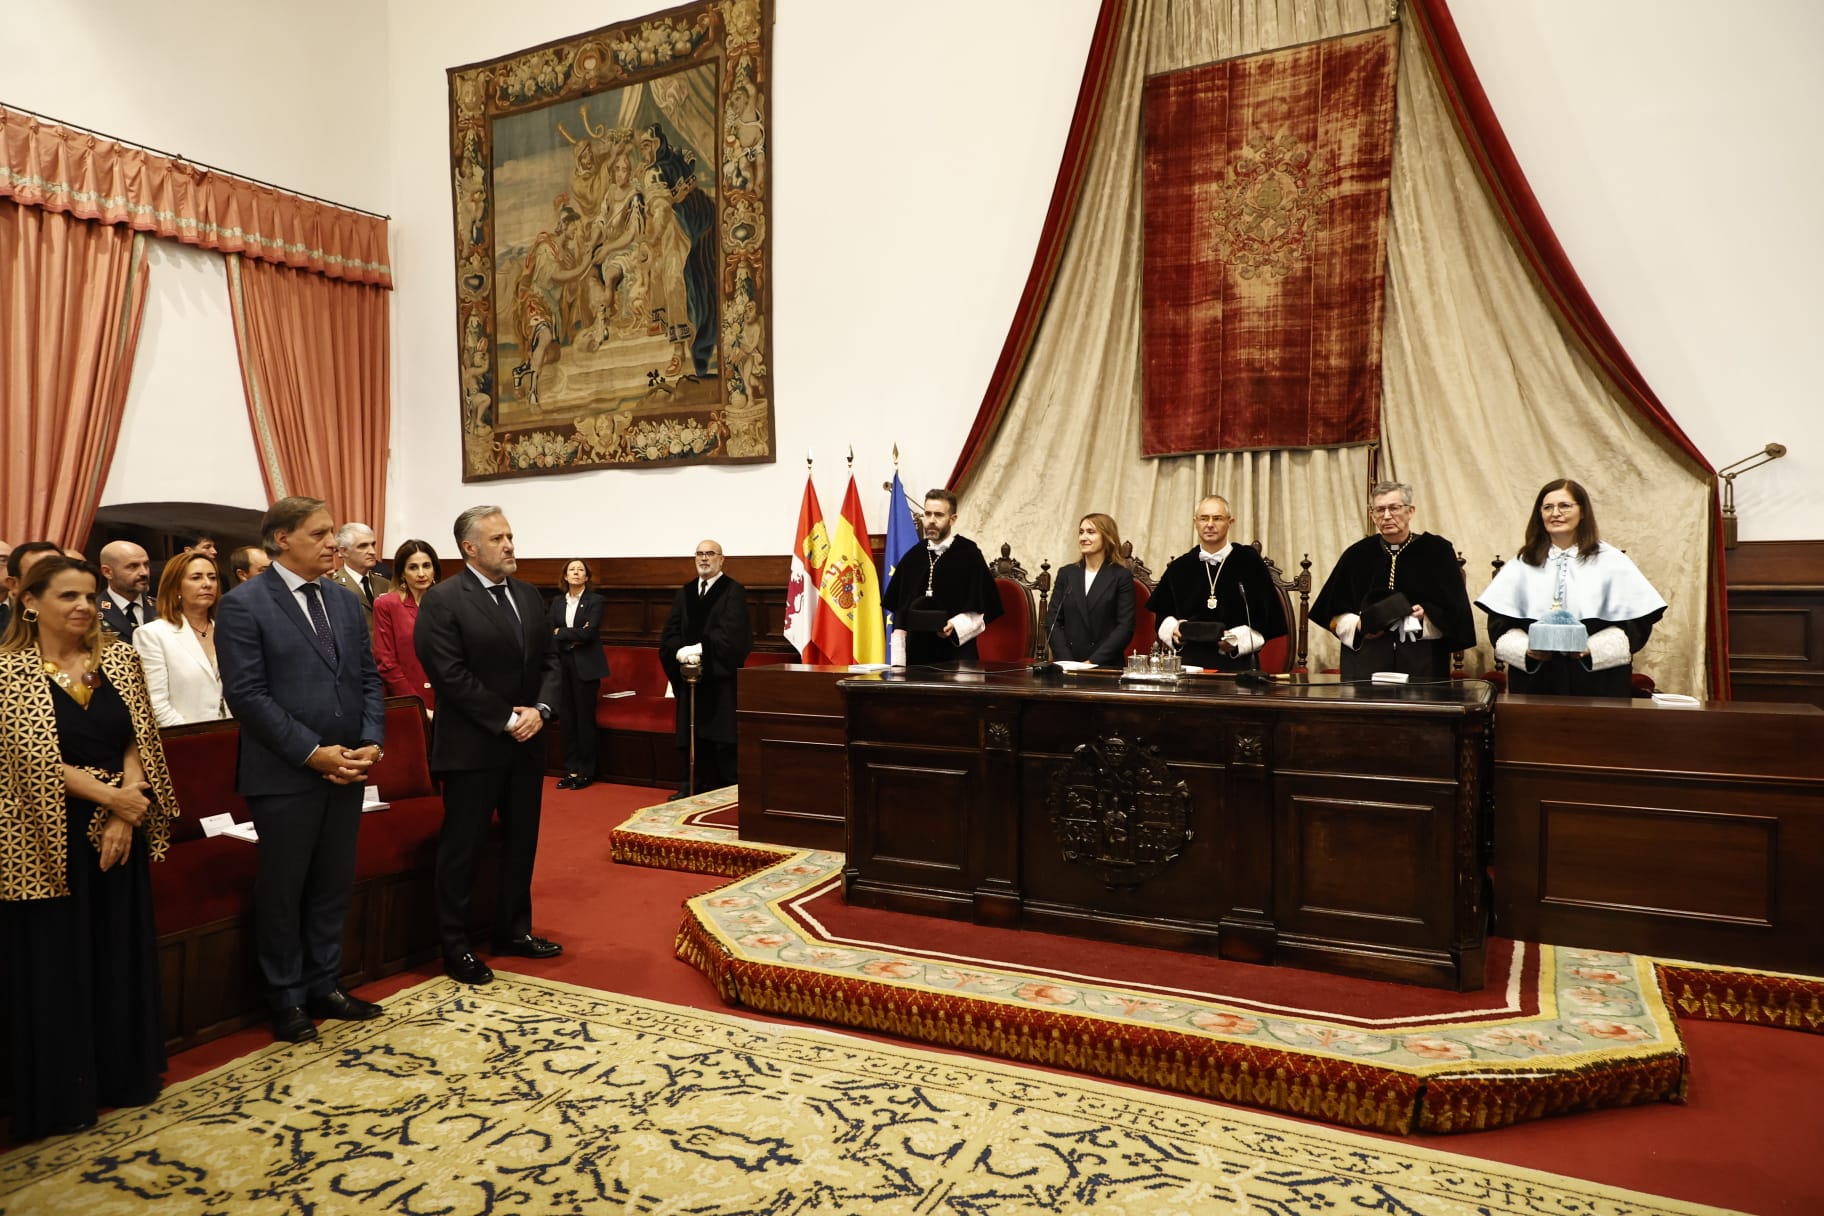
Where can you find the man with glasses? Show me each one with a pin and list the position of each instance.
(1396, 600)
(708, 625)
(1217, 603)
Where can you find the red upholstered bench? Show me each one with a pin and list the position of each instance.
(636, 733)
(203, 891)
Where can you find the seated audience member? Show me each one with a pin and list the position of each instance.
(247, 561)
(1566, 569)
(576, 622)
(128, 571)
(1217, 602)
(942, 595)
(1396, 600)
(1092, 607)
(396, 621)
(88, 803)
(178, 649)
(19, 561)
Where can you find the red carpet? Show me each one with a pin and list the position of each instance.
(1743, 1140)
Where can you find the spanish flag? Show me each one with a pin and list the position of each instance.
(848, 627)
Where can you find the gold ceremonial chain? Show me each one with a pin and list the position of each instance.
(931, 572)
(80, 688)
(1393, 560)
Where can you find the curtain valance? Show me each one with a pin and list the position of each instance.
(59, 168)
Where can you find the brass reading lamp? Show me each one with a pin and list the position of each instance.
(1729, 472)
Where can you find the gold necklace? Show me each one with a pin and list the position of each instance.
(80, 687)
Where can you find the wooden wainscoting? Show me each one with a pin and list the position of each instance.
(1776, 620)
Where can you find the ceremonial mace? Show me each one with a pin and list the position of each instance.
(693, 671)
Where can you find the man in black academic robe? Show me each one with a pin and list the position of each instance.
(1218, 582)
(709, 622)
(1396, 600)
(942, 595)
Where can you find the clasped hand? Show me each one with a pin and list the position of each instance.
(527, 722)
(343, 765)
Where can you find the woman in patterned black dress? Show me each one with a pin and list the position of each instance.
(85, 802)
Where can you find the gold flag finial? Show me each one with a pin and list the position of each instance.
(851, 458)
(896, 456)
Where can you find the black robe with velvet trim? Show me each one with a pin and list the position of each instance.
(719, 621)
(1245, 596)
(1427, 574)
(961, 583)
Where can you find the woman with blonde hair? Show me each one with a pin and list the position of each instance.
(1092, 607)
(87, 800)
(177, 650)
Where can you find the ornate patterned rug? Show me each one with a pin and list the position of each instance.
(1556, 1030)
(534, 1096)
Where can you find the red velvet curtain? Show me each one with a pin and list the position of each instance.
(314, 355)
(72, 294)
(1513, 197)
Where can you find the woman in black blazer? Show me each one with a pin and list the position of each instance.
(576, 622)
(1092, 608)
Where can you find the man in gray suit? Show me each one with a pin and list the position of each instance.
(298, 672)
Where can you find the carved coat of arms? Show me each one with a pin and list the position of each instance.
(1117, 808)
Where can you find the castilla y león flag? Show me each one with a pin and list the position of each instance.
(848, 627)
(1265, 215)
(810, 549)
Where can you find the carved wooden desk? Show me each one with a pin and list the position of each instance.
(1313, 823)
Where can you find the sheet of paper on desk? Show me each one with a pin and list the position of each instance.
(868, 667)
(614, 693)
(1073, 664)
(215, 825)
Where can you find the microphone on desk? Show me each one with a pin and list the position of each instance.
(1253, 677)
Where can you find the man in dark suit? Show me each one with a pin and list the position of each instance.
(124, 603)
(708, 622)
(298, 672)
(491, 660)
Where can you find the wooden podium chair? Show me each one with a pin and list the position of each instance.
(1018, 635)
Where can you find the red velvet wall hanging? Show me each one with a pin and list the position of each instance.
(1265, 211)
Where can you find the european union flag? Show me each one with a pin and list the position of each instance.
(903, 533)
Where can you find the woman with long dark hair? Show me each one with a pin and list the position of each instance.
(1565, 567)
(395, 620)
(576, 622)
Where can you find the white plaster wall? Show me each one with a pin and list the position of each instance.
(1672, 143)
(912, 169)
(185, 436)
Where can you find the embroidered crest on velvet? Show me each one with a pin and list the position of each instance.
(1265, 213)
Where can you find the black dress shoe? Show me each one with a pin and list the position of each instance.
(338, 1003)
(581, 783)
(528, 947)
(467, 969)
(293, 1025)
(567, 783)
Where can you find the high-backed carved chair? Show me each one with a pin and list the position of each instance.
(1145, 627)
(1291, 652)
(1016, 636)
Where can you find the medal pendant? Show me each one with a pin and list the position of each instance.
(1210, 603)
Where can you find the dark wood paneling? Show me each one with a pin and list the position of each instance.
(793, 756)
(1681, 833)
(1776, 621)
(1298, 851)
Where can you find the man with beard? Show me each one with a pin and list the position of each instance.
(1217, 602)
(1396, 600)
(708, 623)
(942, 595)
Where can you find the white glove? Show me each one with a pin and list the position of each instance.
(690, 652)
(1168, 631)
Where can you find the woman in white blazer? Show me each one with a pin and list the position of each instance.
(178, 649)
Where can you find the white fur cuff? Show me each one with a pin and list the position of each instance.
(1245, 640)
(1345, 627)
(897, 648)
(1510, 648)
(967, 625)
(1609, 648)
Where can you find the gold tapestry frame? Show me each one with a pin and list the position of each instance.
(613, 261)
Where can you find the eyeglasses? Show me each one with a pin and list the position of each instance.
(1558, 508)
(1401, 509)
(1213, 519)
(708, 553)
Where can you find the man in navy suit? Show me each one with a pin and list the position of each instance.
(298, 672)
(492, 661)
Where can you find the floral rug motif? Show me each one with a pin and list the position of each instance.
(530, 1095)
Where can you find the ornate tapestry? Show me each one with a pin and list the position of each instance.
(613, 265)
(1265, 214)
